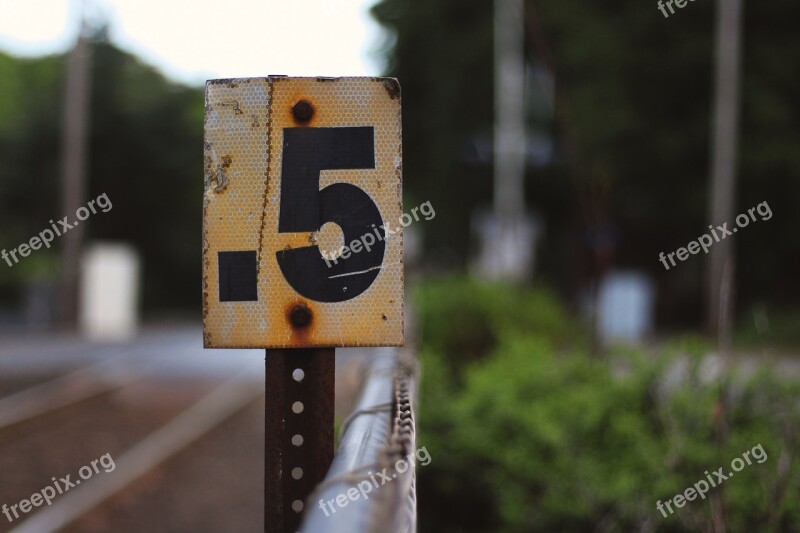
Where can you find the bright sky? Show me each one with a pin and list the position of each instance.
(195, 40)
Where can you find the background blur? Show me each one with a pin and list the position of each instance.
(571, 398)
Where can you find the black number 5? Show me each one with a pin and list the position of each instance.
(304, 207)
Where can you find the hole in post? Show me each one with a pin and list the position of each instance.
(297, 506)
(297, 407)
(298, 374)
(297, 440)
(297, 472)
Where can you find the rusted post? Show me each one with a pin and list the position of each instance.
(298, 446)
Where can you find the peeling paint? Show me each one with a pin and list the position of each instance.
(233, 104)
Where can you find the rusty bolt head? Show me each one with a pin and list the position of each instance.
(303, 111)
(300, 316)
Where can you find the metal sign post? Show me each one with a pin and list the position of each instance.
(302, 250)
(298, 446)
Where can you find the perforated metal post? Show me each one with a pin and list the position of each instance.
(299, 431)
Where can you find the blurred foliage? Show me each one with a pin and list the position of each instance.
(769, 327)
(442, 54)
(145, 153)
(466, 317)
(529, 433)
(631, 121)
(29, 144)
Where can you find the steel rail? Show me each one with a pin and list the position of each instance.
(173, 437)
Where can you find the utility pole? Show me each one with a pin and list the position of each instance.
(74, 149)
(723, 170)
(507, 233)
(509, 128)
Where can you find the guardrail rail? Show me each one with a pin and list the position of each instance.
(375, 439)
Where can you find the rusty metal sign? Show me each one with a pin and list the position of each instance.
(301, 241)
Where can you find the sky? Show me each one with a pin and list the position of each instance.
(192, 41)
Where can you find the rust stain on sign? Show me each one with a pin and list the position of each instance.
(306, 168)
(392, 88)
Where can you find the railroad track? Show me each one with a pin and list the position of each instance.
(56, 411)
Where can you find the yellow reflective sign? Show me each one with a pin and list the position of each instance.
(301, 241)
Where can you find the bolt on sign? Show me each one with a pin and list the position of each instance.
(301, 207)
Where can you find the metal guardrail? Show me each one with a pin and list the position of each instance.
(375, 495)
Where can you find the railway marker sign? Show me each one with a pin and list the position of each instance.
(295, 170)
(302, 250)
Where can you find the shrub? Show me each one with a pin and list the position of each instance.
(532, 434)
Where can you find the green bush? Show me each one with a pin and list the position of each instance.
(463, 319)
(530, 433)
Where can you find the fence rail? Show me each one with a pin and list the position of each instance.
(364, 491)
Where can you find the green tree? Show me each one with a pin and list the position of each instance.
(442, 54)
(632, 123)
(145, 153)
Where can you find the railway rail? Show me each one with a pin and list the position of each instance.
(153, 424)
